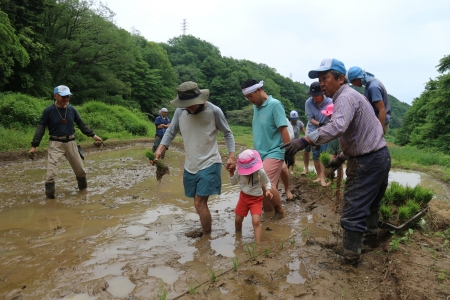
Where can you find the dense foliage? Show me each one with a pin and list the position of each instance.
(76, 42)
(427, 123)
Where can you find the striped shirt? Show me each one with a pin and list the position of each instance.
(353, 122)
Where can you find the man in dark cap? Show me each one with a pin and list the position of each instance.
(361, 140)
(199, 122)
(313, 107)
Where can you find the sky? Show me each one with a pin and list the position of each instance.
(399, 41)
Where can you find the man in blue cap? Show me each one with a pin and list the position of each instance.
(374, 91)
(60, 118)
(361, 139)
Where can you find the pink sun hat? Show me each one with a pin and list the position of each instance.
(249, 161)
(328, 110)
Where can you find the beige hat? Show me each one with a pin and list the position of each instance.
(189, 94)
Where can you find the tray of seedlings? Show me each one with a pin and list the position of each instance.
(402, 206)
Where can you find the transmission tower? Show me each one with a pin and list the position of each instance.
(184, 26)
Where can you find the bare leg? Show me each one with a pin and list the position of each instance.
(256, 221)
(201, 205)
(276, 204)
(285, 180)
(305, 162)
(291, 168)
(320, 169)
(238, 222)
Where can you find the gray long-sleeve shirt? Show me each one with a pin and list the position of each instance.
(200, 136)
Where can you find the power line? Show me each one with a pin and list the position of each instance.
(184, 26)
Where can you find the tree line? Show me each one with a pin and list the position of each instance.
(74, 42)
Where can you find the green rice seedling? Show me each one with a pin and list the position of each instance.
(292, 241)
(325, 158)
(385, 211)
(192, 289)
(388, 197)
(235, 263)
(413, 206)
(251, 250)
(162, 293)
(282, 245)
(161, 168)
(398, 193)
(422, 195)
(395, 243)
(404, 213)
(305, 232)
(213, 275)
(267, 252)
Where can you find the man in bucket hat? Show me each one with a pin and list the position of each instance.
(361, 140)
(60, 118)
(199, 122)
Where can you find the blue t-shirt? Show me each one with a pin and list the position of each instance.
(266, 136)
(375, 91)
(158, 121)
(313, 111)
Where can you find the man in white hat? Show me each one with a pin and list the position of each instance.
(162, 122)
(199, 121)
(60, 118)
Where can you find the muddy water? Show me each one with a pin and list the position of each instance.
(126, 234)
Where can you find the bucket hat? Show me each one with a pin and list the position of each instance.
(189, 94)
(249, 161)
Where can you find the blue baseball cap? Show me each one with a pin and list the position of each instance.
(62, 90)
(326, 65)
(353, 73)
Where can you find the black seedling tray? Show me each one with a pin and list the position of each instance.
(407, 224)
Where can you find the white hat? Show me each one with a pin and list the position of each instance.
(293, 115)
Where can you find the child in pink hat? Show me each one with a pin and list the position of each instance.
(252, 179)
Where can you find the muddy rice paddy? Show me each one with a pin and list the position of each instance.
(124, 238)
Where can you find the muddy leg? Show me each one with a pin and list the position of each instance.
(284, 176)
(201, 205)
(256, 222)
(238, 222)
(305, 162)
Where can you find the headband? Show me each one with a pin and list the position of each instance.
(252, 88)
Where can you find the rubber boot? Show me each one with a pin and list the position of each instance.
(82, 183)
(50, 190)
(352, 246)
(370, 238)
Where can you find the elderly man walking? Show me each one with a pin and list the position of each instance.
(60, 118)
(361, 139)
(199, 121)
(375, 92)
(162, 122)
(269, 127)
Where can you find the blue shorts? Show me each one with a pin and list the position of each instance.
(316, 153)
(205, 183)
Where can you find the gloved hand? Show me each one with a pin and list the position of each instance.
(294, 146)
(321, 124)
(336, 163)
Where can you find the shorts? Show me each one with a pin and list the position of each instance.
(273, 167)
(316, 153)
(248, 203)
(205, 183)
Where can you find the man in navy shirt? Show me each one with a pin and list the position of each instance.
(162, 122)
(60, 118)
(375, 92)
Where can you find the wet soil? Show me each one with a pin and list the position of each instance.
(127, 237)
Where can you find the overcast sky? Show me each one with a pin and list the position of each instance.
(400, 41)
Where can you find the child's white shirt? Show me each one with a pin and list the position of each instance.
(249, 186)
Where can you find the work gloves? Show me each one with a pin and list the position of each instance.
(321, 124)
(294, 146)
(336, 163)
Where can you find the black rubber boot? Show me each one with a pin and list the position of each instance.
(50, 190)
(352, 246)
(370, 238)
(82, 183)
